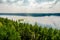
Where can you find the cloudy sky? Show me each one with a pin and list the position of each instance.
(29, 6)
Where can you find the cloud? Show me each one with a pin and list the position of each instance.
(29, 5)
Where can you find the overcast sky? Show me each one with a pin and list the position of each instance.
(29, 6)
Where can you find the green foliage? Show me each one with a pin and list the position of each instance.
(15, 30)
(8, 30)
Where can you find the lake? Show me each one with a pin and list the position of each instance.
(51, 20)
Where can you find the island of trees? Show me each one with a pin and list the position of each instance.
(15, 30)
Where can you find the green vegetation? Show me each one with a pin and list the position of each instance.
(15, 30)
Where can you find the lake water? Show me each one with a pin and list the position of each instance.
(50, 20)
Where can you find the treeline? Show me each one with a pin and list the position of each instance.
(15, 30)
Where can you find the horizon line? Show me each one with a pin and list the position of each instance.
(32, 14)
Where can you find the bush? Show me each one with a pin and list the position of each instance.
(15, 30)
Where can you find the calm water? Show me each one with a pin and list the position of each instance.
(45, 19)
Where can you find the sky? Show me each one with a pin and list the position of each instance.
(29, 6)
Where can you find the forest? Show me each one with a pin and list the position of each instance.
(15, 30)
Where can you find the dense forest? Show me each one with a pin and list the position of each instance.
(15, 30)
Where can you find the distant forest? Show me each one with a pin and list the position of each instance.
(32, 14)
(15, 30)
